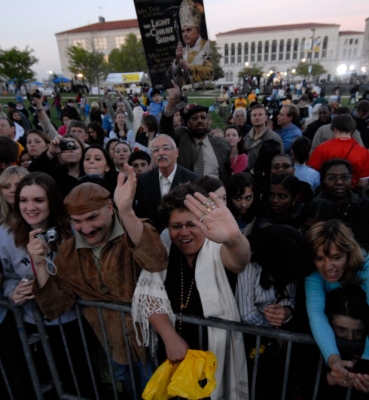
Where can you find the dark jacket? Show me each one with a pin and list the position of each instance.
(188, 149)
(148, 195)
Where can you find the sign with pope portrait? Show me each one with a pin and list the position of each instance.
(175, 39)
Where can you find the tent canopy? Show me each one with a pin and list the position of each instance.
(61, 79)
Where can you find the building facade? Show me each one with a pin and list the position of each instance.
(102, 36)
(280, 48)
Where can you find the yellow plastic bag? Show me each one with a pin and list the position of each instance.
(197, 366)
(156, 388)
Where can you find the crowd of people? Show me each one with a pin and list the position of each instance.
(265, 223)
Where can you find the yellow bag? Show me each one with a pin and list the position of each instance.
(156, 388)
(197, 366)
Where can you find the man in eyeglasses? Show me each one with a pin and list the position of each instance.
(343, 146)
(198, 152)
(153, 185)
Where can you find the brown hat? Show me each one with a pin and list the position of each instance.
(85, 198)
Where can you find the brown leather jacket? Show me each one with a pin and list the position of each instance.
(78, 277)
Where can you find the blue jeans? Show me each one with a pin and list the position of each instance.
(141, 375)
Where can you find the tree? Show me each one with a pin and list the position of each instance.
(16, 64)
(91, 64)
(316, 69)
(251, 71)
(130, 57)
(215, 58)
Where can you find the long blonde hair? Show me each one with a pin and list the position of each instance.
(6, 209)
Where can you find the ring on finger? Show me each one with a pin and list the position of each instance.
(202, 218)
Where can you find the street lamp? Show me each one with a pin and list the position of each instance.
(303, 60)
(246, 64)
(294, 71)
(351, 67)
(363, 70)
(341, 69)
(80, 76)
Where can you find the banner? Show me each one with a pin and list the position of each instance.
(175, 40)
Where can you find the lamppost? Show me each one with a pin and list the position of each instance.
(311, 52)
(341, 69)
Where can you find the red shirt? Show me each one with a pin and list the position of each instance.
(344, 148)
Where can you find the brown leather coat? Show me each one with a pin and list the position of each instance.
(78, 277)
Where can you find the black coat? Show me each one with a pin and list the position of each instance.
(148, 195)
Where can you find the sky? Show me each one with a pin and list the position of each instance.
(34, 23)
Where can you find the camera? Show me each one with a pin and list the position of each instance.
(67, 145)
(304, 112)
(36, 94)
(50, 235)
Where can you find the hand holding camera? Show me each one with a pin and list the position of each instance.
(37, 247)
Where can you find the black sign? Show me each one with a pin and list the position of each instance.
(175, 39)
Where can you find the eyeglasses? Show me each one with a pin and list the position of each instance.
(178, 227)
(165, 147)
(198, 117)
(335, 178)
(277, 167)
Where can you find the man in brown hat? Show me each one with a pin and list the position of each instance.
(101, 263)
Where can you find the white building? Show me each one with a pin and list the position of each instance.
(102, 36)
(280, 48)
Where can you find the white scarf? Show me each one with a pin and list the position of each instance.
(217, 301)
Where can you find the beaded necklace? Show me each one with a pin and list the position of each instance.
(183, 305)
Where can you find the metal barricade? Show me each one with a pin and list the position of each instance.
(115, 391)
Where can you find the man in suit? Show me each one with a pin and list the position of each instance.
(212, 159)
(153, 185)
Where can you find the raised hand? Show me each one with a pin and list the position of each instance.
(213, 218)
(126, 189)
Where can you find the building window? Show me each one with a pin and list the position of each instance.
(274, 50)
(356, 41)
(345, 42)
(80, 43)
(239, 53)
(253, 52)
(260, 50)
(316, 54)
(288, 50)
(266, 51)
(227, 76)
(325, 46)
(302, 49)
(119, 41)
(233, 53)
(226, 54)
(355, 52)
(351, 41)
(295, 48)
(231, 76)
(246, 52)
(100, 44)
(344, 53)
(281, 50)
(349, 53)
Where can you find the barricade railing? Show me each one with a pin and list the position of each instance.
(99, 387)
